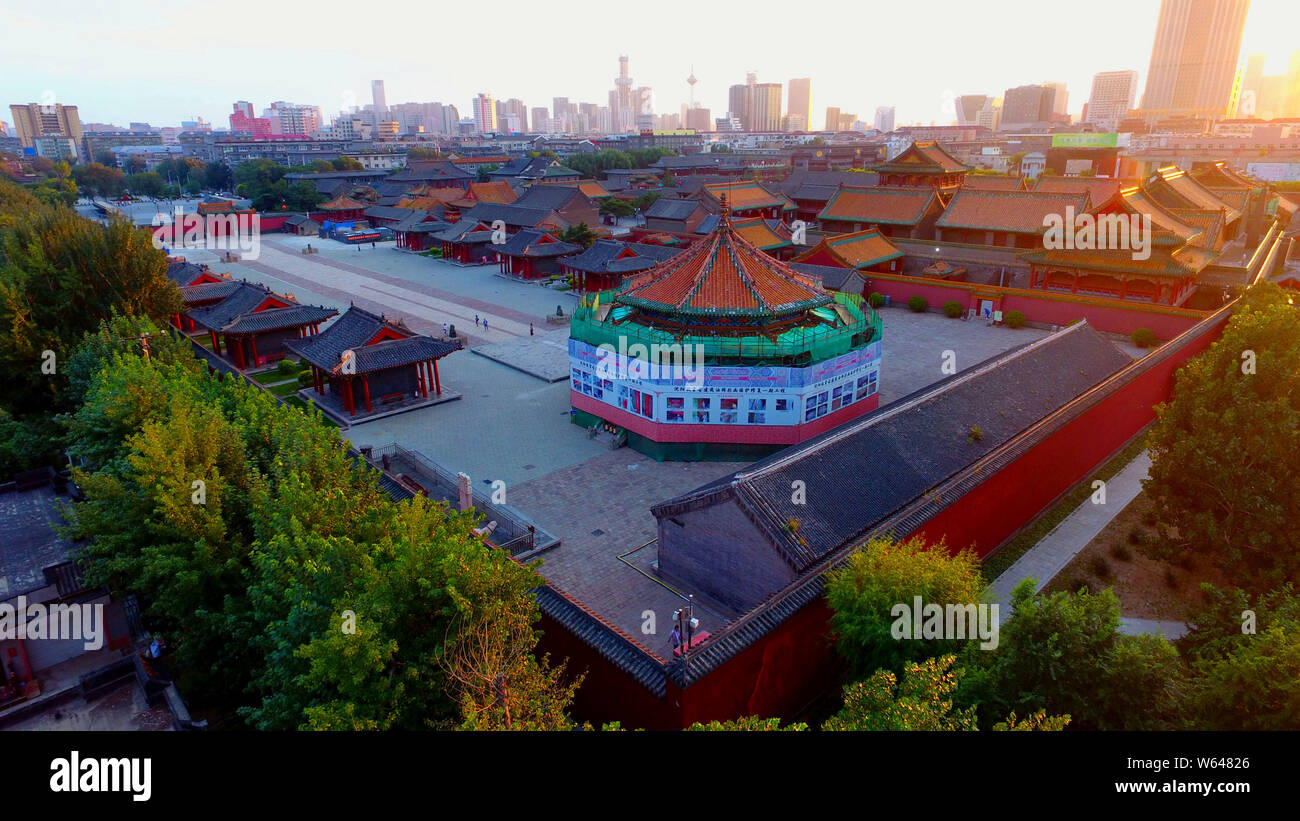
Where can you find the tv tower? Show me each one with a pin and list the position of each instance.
(691, 81)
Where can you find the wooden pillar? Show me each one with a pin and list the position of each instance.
(253, 341)
(365, 385)
(216, 346)
(1074, 288)
(419, 379)
(437, 382)
(352, 401)
(1123, 287)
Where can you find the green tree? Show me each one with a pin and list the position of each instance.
(580, 234)
(1245, 652)
(1063, 653)
(146, 184)
(347, 164)
(884, 574)
(1223, 479)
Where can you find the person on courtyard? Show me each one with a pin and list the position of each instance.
(530, 329)
(485, 323)
(475, 320)
(675, 638)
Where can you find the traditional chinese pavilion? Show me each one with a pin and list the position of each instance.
(721, 352)
(253, 323)
(923, 163)
(365, 361)
(531, 254)
(861, 251)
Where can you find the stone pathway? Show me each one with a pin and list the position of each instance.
(1058, 548)
(545, 355)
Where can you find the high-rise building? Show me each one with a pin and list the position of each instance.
(969, 107)
(515, 108)
(800, 103)
(1113, 95)
(380, 101)
(643, 99)
(292, 118)
(1060, 102)
(739, 103)
(485, 114)
(541, 120)
(242, 120)
(885, 119)
(1194, 58)
(699, 119)
(1025, 106)
(621, 103)
(765, 107)
(832, 119)
(34, 120)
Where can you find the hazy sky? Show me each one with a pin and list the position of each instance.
(162, 61)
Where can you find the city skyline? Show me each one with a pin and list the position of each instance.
(104, 80)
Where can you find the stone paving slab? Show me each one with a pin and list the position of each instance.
(1054, 551)
(544, 355)
(1169, 629)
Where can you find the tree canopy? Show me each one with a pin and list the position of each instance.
(1223, 474)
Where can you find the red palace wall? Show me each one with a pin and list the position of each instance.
(1111, 316)
(788, 667)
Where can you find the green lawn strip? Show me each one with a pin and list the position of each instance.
(997, 562)
(284, 388)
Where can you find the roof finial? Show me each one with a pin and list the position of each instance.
(726, 211)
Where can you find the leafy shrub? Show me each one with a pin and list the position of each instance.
(1014, 319)
(918, 304)
(952, 308)
(876, 300)
(288, 367)
(305, 378)
(1144, 338)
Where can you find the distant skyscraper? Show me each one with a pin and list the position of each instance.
(832, 119)
(35, 120)
(1194, 58)
(1060, 102)
(699, 119)
(485, 114)
(885, 119)
(541, 121)
(800, 104)
(765, 107)
(1113, 95)
(621, 104)
(739, 103)
(969, 107)
(1025, 106)
(380, 101)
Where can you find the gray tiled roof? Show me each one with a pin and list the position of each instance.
(672, 208)
(863, 471)
(183, 273)
(525, 243)
(236, 313)
(357, 326)
(603, 254)
(209, 290)
(831, 276)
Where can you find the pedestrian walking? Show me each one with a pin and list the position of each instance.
(530, 329)
(485, 323)
(444, 329)
(475, 320)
